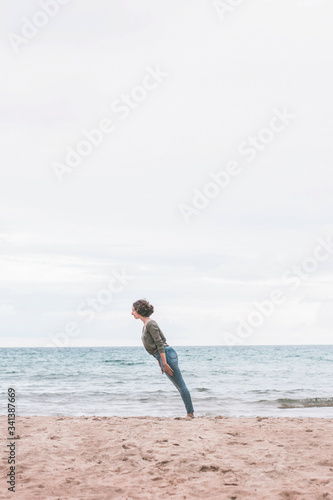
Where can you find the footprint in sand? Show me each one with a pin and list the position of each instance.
(326, 463)
(288, 494)
(73, 481)
(205, 468)
(130, 446)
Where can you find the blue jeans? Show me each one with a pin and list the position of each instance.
(176, 378)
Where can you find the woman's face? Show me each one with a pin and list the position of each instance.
(134, 313)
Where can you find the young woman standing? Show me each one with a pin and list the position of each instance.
(155, 344)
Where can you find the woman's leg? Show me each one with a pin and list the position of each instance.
(177, 379)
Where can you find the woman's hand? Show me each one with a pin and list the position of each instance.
(168, 369)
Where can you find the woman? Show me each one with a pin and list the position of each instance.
(155, 344)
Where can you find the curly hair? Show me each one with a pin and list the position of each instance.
(143, 307)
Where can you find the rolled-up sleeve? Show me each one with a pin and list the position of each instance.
(154, 331)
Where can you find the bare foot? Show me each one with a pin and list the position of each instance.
(190, 415)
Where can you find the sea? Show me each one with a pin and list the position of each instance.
(232, 381)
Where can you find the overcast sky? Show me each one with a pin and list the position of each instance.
(182, 90)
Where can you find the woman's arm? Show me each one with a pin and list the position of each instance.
(167, 368)
(163, 357)
(154, 331)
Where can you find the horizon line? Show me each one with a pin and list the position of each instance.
(179, 345)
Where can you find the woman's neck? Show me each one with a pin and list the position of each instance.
(145, 322)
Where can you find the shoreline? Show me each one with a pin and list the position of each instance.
(100, 457)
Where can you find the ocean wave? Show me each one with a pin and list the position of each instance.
(112, 361)
(263, 391)
(305, 403)
(122, 362)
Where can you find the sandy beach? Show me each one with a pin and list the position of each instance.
(156, 458)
